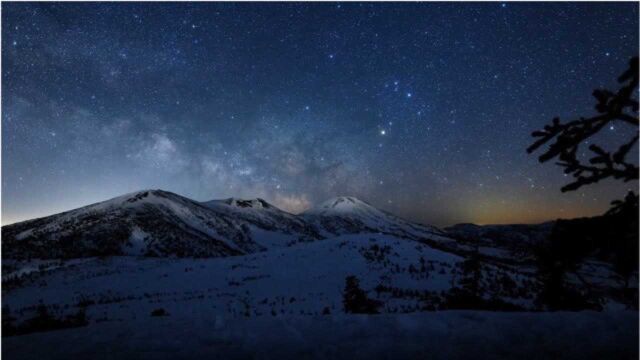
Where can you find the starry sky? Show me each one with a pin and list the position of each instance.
(421, 109)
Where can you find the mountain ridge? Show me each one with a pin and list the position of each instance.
(161, 223)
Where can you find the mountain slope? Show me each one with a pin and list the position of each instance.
(269, 226)
(150, 222)
(160, 223)
(403, 275)
(503, 235)
(349, 215)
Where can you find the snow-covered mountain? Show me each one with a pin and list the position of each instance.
(67, 270)
(349, 215)
(161, 223)
(268, 226)
(149, 222)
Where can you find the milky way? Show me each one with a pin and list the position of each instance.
(424, 110)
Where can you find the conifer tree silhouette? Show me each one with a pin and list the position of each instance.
(619, 107)
(615, 234)
(355, 299)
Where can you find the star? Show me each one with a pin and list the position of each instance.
(204, 105)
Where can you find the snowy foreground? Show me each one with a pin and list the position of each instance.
(433, 335)
(153, 275)
(270, 305)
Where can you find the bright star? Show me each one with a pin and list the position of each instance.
(383, 132)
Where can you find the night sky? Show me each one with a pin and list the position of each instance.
(424, 110)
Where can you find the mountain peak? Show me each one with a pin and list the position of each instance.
(158, 222)
(137, 197)
(256, 203)
(343, 202)
(341, 205)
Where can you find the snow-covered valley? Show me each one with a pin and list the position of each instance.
(301, 280)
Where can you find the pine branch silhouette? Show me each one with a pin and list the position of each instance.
(611, 107)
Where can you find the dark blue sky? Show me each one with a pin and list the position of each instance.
(422, 109)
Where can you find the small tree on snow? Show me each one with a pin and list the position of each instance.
(472, 272)
(355, 300)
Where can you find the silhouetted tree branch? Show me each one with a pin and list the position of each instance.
(611, 107)
(627, 206)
